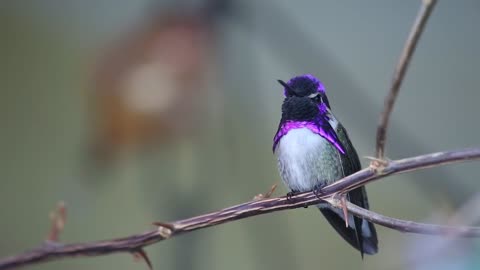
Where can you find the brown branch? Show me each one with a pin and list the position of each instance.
(406, 226)
(134, 243)
(400, 70)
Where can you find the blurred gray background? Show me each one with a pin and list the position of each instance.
(214, 148)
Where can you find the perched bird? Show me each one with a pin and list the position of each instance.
(314, 150)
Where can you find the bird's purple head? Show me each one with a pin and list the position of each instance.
(306, 106)
(303, 85)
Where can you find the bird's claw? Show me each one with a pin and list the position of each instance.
(291, 194)
(317, 190)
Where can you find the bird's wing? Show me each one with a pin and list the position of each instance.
(363, 236)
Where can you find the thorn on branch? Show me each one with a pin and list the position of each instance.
(164, 229)
(58, 219)
(335, 201)
(343, 202)
(378, 164)
(141, 254)
(267, 195)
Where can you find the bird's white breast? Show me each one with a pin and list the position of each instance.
(298, 153)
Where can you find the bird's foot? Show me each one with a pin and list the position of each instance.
(291, 194)
(317, 190)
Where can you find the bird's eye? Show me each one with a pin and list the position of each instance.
(316, 98)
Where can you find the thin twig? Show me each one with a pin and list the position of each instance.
(399, 73)
(407, 226)
(134, 243)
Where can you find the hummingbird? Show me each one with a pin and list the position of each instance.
(313, 150)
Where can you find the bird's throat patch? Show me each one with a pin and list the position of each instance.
(322, 128)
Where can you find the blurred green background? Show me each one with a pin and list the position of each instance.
(64, 136)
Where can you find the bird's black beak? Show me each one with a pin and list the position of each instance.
(284, 84)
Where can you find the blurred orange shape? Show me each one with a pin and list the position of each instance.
(147, 86)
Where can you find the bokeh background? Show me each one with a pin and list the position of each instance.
(138, 111)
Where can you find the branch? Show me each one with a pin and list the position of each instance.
(400, 70)
(377, 170)
(406, 226)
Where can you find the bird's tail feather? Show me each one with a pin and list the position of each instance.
(364, 240)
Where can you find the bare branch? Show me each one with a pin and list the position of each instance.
(134, 243)
(407, 226)
(399, 73)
